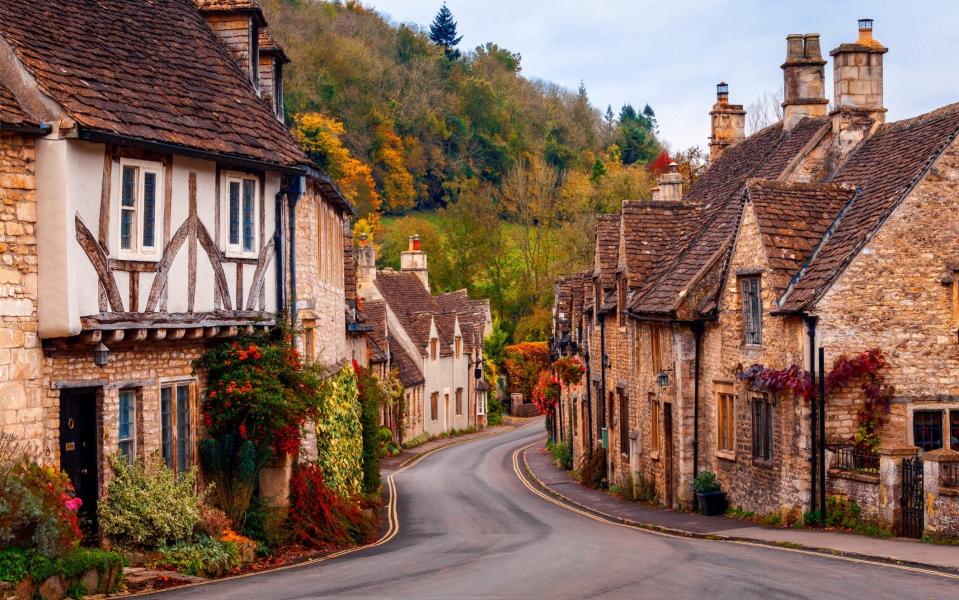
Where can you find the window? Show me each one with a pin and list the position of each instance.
(140, 209)
(621, 301)
(176, 423)
(752, 310)
(654, 422)
(459, 401)
(309, 343)
(575, 414)
(927, 429)
(241, 215)
(725, 418)
(954, 429)
(656, 346)
(127, 429)
(458, 345)
(623, 420)
(435, 406)
(434, 348)
(762, 428)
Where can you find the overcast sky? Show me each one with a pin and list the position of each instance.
(671, 53)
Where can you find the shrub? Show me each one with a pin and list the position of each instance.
(208, 557)
(38, 509)
(232, 464)
(17, 563)
(592, 469)
(371, 396)
(13, 564)
(213, 522)
(562, 453)
(494, 409)
(148, 506)
(322, 518)
(706, 482)
(523, 363)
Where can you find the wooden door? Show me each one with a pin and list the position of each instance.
(78, 451)
(668, 452)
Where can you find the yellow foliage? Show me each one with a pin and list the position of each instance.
(390, 159)
(321, 137)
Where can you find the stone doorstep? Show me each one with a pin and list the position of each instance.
(898, 551)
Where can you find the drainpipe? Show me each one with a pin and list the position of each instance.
(813, 420)
(698, 335)
(602, 374)
(589, 404)
(822, 435)
(278, 250)
(294, 189)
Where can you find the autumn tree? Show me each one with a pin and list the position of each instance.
(389, 164)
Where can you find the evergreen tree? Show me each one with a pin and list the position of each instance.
(443, 32)
(650, 118)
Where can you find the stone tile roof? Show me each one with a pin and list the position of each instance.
(407, 369)
(885, 166)
(719, 193)
(268, 45)
(411, 302)
(473, 323)
(226, 5)
(563, 302)
(375, 313)
(607, 249)
(649, 230)
(792, 218)
(152, 71)
(11, 113)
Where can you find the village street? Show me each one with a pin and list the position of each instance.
(469, 528)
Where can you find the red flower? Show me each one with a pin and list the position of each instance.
(242, 429)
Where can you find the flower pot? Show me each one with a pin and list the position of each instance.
(711, 503)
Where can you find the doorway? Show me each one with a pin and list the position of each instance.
(78, 452)
(668, 452)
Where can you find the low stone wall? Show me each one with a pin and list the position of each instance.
(946, 507)
(523, 410)
(863, 488)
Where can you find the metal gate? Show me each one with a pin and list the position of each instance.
(912, 498)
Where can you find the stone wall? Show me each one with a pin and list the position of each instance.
(946, 507)
(21, 386)
(144, 367)
(782, 484)
(895, 296)
(861, 487)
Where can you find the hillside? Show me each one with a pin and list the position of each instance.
(503, 173)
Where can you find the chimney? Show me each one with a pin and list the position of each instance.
(857, 77)
(414, 261)
(366, 266)
(270, 74)
(804, 79)
(237, 23)
(671, 184)
(728, 123)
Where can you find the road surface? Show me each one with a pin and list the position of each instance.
(468, 528)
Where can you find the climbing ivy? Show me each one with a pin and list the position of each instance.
(339, 435)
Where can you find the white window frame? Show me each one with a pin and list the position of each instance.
(137, 250)
(236, 250)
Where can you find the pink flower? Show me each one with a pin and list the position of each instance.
(73, 504)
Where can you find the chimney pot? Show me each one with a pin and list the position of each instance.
(865, 24)
(722, 92)
(794, 46)
(811, 45)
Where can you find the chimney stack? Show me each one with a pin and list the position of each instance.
(728, 123)
(414, 261)
(366, 266)
(804, 79)
(857, 77)
(671, 184)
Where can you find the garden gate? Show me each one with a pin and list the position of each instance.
(912, 498)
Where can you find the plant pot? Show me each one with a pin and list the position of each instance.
(711, 503)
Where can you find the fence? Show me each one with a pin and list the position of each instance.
(854, 459)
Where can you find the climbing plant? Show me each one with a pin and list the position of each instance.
(339, 435)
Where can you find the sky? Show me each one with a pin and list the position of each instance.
(670, 54)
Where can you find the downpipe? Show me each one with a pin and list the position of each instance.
(813, 417)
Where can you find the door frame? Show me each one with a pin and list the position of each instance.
(668, 452)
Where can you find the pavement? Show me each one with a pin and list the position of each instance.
(561, 484)
(468, 526)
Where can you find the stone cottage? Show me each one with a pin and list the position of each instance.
(151, 193)
(434, 342)
(832, 231)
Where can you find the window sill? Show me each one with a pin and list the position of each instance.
(762, 464)
(152, 257)
(240, 255)
(726, 455)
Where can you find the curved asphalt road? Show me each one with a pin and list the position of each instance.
(469, 528)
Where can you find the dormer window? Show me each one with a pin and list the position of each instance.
(241, 215)
(139, 210)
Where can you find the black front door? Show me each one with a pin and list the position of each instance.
(78, 451)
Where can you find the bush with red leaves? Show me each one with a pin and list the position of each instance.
(321, 518)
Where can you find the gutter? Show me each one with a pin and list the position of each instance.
(813, 418)
(37, 130)
(278, 249)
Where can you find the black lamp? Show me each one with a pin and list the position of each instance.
(662, 379)
(101, 355)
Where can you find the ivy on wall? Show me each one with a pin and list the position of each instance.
(339, 435)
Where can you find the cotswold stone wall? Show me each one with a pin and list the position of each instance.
(861, 487)
(145, 368)
(782, 484)
(897, 295)
(21, 388)
(319, 271)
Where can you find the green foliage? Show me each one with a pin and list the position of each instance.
(740, 513)
(845, 513)
(418, 440)
(231, 464)
(207, 557)
(562, 453)
(339, 433)
(443, 32)
(372, 397)
(706, 482)
(148, 505)
(17, 563)
(494, 410)
(13, 564)
(37, 508)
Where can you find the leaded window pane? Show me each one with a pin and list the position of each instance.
(752, 310)
(927, 429)
(166, 425)
(149, 209)
(234, 214)
(183, 431)
(127, 423)
(249, 196)
(954, 429)
(128, 196)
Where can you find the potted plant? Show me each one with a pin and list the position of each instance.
(711, 499)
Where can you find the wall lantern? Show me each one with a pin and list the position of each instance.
(662, 379)
(101, 355)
